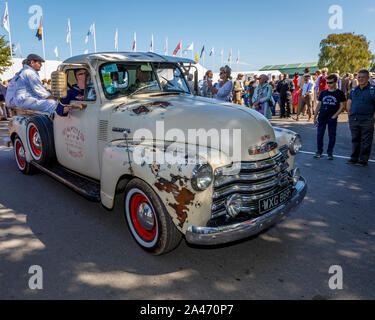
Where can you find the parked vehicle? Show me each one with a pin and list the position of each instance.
(130, 141)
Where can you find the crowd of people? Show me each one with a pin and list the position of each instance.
(322, 96)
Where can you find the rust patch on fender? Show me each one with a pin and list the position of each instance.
(141, 109)
(181, 194)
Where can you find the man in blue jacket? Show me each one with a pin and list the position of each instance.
(361, 109)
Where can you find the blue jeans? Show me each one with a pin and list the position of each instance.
(273, 108)
(332, 127)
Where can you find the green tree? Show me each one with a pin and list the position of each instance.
(5, 58)
(346, 52)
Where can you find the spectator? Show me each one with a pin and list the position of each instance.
(238, 90)
(250, 90)
(345, 84)
(361, 109)
(275, 94)
(373, 78)
(205, 85)
(331, 104)
(306, 96)
(285, 87)
(273, 85)
(354, 81)
(3, 109)
(223, 89)
(262, 98)
(190, 81)
(295, 94)
(339, 81)
(321, 82)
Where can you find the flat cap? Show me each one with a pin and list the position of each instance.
(34, 57)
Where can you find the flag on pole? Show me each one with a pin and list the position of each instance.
(196, 57)
(134, 49)
(202, 52)
(57, 53)
(39, 31)
(238, 57)
(90, 32)
(178, 48)
(166, 47)
(230, 56)
(212, 51)
(5, 21)
(116, 40)
(190, 48)
(152, 43)
(69, 33)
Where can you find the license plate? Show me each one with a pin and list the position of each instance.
(274, 201)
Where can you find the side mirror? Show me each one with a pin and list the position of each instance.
(59, 85)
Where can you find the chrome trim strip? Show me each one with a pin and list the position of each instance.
(225, 234)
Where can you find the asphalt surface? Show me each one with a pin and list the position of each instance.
(87, 252)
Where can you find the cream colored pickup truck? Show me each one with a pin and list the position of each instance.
(181, 165)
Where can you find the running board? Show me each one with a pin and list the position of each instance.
(86, 187)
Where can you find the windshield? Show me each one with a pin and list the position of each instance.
(125, 79)
(171, 78)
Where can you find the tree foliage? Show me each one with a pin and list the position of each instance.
(5, 58)
(346, 52)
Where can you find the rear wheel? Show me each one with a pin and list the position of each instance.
(148, 220)
(40, 139)
(19, 154)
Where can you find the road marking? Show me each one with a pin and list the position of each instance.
(342, 157)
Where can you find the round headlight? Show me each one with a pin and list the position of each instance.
(233, 205)
(295, 144)
(202, 177)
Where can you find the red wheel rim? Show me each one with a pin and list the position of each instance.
(136, 201)
(19, 159)
(32, 132)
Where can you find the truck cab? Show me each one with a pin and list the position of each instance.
(183, 166)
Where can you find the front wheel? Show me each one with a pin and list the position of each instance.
(148, 220)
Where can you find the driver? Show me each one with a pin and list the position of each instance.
(143, 77)
(77, 93)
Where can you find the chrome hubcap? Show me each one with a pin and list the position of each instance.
(146, 216)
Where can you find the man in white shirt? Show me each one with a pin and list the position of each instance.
(30, 93)
(307, 97)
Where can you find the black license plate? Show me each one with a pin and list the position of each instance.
(274, 201)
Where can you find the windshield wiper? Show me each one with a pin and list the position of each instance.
(142, 88)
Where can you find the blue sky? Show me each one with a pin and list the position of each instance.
(265, 32)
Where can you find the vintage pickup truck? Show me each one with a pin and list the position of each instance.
(180, 165)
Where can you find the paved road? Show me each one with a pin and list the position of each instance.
(86, 252)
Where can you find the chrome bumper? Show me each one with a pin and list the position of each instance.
(219, 235)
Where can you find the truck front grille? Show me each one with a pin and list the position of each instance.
(253, 180)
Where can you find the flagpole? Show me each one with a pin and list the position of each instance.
(70, 39)
(44, 51)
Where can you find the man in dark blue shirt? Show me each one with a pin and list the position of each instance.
(331, 104)
(76, 93)
(361, 109)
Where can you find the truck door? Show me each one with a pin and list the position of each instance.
(76, 135)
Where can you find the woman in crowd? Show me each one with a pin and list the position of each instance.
(295, 94)
(262, 97)
(223, 89)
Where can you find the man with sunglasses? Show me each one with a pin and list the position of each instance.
(331, 104)
(76, 93)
